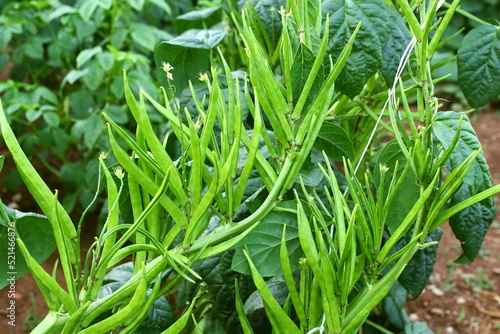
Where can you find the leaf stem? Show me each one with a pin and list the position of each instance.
(466, 14)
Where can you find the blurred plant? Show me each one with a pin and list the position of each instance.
(61, 57)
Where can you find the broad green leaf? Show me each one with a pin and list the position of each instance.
(160, 316)
(471, 224)
(333, 139)
(87, 9)
(90, 129)
(163, 4)
(121, 273)
(46, 94)
(479, 65)
(86, 55)
(198, 39)
(188, 54)
(36, 232)
(310, 173)
(398, 37)
(196, 15)
(263, 244)
(409, 192)
(105, 60)
(198, 19)
(34, 49)
(74, 75)
(5, 38)
(268, 14)
(417, 327)
(366, 55)
(393, 306)
(136, 4)
(117, 114)
(51, 119)
(94, 77)
(314, 8)
(418, 271)
(278, 289)
(301, 68)
(144, 35)
(60, 11)
(106, 4)
(217, 274)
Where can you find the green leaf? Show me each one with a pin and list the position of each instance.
(51, 119)
(32, 115)
(121, 273)
(188, 54)
(34, 49)
(470, 225)
(479, 65)
(106, 60)
(36, 232)
(263, 244)
(74, 75)
(301, 68)
(418, 271)
(144, 35)
(393, 306)
(197, 15)
(106, 4)
(268, 13)
(198, 19)
(46, 94)
(417, 327)
(366, 55)
(163, 5)
(90, 129)
(117, 114)
(87, 9)
(278, 289)
(160, 316)
(86, 55)
(217, 273)
(94, 77)
(5, 38)
(136, 4)
(407, 195)
(333, 139)
(199, 39)
(398, 37)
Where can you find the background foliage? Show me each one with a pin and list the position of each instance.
(258, 171)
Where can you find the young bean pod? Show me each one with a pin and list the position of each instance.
(123, 315)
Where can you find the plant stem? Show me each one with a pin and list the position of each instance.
(377, 326)
(466, 14)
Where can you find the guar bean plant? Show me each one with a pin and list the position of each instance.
(300, 192)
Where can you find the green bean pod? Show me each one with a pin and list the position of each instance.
(73, 323)
(124, 315)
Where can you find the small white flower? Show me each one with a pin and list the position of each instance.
(118, 171)
(203, 77)
(384, 168)
(166, 67)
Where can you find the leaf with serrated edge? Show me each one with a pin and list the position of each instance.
(478, 61)
(333, 139)
(470, 225)
(366, 55)
(263, 244)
